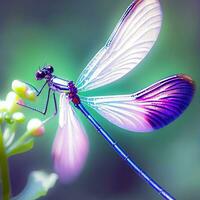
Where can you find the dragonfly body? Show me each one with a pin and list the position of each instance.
(57, 84)
(64, 86)
(147, 110)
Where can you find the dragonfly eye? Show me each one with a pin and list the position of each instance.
(50, 69)
(39, 75)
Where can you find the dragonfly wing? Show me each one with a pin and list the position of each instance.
(70, 146)
(130, 42)
(149, 109)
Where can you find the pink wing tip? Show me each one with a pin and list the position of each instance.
(68, 165)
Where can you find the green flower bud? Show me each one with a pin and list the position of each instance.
(30, 95)
(19, 87)
(23, 90)
(8, 118)
(18, 117)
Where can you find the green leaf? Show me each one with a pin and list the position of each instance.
(24, 147)
(38, 185)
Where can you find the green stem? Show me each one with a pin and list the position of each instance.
(19, 142)
(4, 170)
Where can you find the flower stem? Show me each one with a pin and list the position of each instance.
(16, 144)
(4, 170)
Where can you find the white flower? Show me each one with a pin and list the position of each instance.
(11, 102)
(38, 185)
(3, 107)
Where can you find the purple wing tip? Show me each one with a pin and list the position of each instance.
(180, 90)
(188, 79)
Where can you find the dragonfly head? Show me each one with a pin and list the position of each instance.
(44, 73)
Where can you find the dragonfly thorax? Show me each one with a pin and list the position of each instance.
(73, 93)
(60, 85)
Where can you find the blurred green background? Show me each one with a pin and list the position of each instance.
(67, 34)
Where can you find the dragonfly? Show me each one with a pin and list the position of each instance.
(147, 110)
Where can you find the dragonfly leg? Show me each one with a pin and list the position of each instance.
(56, 109)
(37, 110)
(37, 91)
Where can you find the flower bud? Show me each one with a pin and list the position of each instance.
(35, 127)
(11, 102)
(23, 90)
(30, 95)
(18, 117)
(19, 87)
(8, 118)
(3, 107)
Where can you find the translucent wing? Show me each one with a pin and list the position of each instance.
(70, 146)
(149, 109)
(130, 42)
